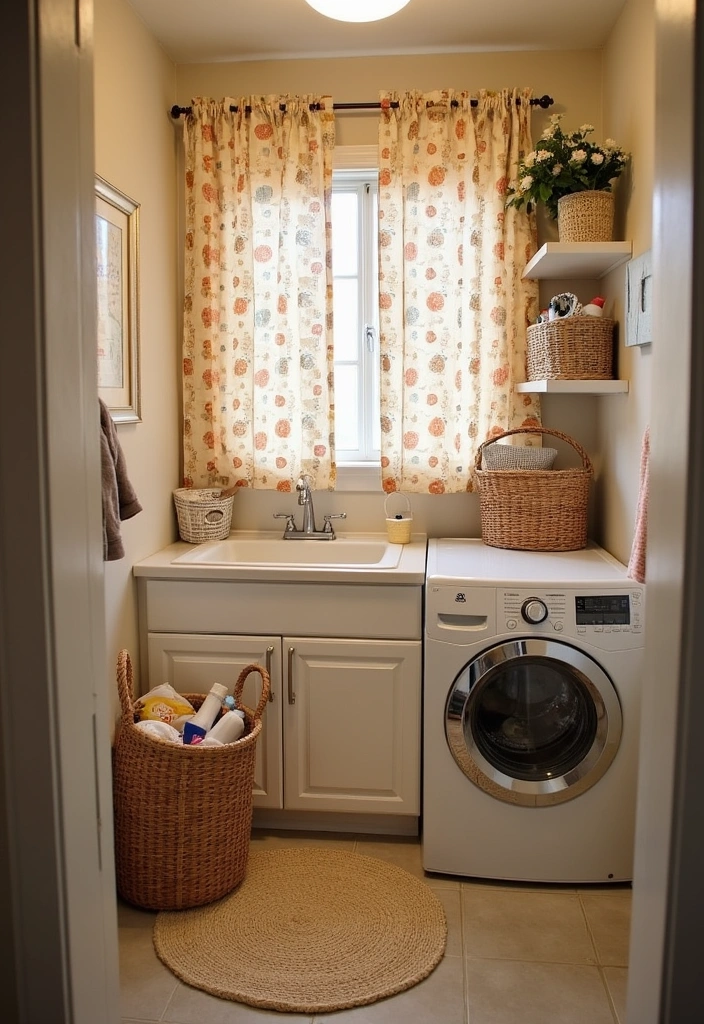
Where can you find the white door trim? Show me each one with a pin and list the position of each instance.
(56, 878)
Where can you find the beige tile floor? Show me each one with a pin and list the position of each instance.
(515, 953)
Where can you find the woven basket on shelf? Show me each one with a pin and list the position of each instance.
(571, 348)
(534, 510)
(586, 216)
(183, 814)
(203, 514)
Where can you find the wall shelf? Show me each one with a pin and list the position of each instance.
(573, 387)
(564, 260)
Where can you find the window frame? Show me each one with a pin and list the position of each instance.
(354, 166)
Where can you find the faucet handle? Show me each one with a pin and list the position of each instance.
(290, 522)
(327, 528)
(303, 488)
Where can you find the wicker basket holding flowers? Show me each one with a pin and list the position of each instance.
(571, 176)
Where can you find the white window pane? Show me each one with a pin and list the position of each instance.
(344, 233)
(355, 291)
(346, 411)
(346, 318)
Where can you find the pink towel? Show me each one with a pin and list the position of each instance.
(636, 564)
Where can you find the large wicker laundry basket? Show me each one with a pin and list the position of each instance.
(183, 814)
(534, 510)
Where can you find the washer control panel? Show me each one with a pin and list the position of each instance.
(613, 619)
(535, 608)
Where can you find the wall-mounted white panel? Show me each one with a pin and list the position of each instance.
(639, 300)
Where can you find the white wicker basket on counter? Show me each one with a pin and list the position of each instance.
(203, 514)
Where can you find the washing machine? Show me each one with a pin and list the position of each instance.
(532, 676)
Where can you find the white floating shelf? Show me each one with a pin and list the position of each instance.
(564, 260)
(573, 387)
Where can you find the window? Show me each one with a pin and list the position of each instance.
(356, 315)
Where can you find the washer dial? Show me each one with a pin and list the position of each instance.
(534, 611)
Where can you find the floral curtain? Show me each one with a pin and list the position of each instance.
(453, 306)
(257, 351)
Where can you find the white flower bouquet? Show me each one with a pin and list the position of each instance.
(563, 164)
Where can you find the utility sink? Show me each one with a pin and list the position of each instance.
(266, 550)
(264, 557)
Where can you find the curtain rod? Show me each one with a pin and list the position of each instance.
(542, 101)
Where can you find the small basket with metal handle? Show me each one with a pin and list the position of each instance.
(398, 526)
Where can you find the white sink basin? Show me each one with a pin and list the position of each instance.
(355, 552)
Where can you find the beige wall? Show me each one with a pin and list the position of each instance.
(629, 103)
(135, 149)
(573, 79)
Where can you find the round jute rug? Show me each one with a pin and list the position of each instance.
(308, 930)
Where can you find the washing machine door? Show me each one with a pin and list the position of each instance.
(533, 721)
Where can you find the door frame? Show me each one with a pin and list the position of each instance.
(57, 885)
(668, 889)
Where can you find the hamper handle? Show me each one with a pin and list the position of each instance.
(266, 685)
(535, 430)
(125, 685)
(397, 494)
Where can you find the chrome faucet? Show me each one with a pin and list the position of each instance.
(305, 498)
(308, 529)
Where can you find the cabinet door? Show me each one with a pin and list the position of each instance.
(352, 725)
(193, 662)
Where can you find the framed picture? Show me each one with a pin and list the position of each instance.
(117, 274)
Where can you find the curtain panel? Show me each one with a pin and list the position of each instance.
(257, 351)
(453, 306)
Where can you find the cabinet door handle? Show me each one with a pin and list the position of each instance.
(291, 694)
(269, 652)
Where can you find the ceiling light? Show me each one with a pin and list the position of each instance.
(357, 10)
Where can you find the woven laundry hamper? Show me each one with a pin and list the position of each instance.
(571, 348)
(183, 814)
(534, 510)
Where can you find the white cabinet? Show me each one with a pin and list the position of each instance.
(192, 663)
(341, 732)
(352, 725)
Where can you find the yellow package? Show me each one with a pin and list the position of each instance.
(164, 704)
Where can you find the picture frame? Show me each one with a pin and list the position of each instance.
(117, 283)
